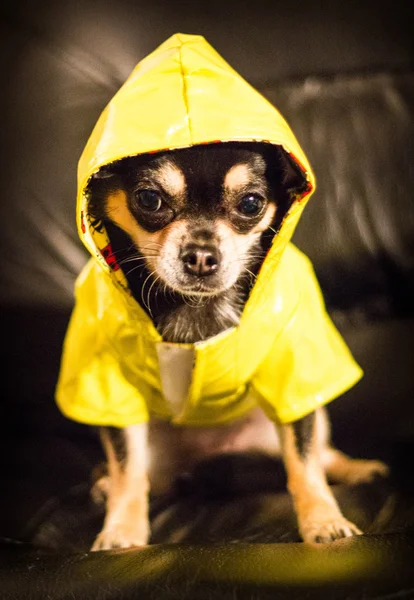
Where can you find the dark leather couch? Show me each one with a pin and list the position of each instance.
(342, 75)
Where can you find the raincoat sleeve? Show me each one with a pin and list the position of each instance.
(94, 385)
(309, 364)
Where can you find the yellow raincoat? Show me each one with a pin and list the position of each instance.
(285, 354)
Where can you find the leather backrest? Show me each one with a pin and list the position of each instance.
(62, 63)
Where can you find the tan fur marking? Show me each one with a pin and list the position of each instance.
(266, 220)
(300, 471)
(237, 177)
(171, 178)
(319, 516)
(115, 476)
(148, 243)
(118, 211)
(126, 522)
(231, 241)
(342, 468)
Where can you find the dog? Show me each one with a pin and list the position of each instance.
(190, 228)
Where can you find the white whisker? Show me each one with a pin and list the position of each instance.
(142, 292)
(149, 293)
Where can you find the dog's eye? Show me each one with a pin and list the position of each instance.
(149, 200)
(250, 205)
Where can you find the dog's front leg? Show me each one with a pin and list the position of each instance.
(319, 516)
(126, 487)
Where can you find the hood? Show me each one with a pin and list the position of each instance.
(184, 94)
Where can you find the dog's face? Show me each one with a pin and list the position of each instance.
(196, 215)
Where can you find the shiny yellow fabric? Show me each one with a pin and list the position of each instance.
(285, 355)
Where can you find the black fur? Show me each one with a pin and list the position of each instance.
(118, 442)
(303, 430)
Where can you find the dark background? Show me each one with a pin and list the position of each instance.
(342, 75)
(62, 62)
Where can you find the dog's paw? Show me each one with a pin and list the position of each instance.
(328, 531)
(365, 471)
(341, 468)
(122, 535)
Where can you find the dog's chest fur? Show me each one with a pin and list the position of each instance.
(199, 319)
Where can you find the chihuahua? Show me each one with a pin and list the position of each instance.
(190, 228)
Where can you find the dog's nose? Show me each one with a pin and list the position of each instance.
(200, 260)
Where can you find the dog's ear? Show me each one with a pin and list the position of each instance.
(293, 178)
(108, 179)
(104, 173)
(287, 181)
(113, 169)
(283, 173)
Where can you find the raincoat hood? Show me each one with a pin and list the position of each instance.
(181, 95)
(285, 355)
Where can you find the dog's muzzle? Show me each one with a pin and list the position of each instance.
(200, 260)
